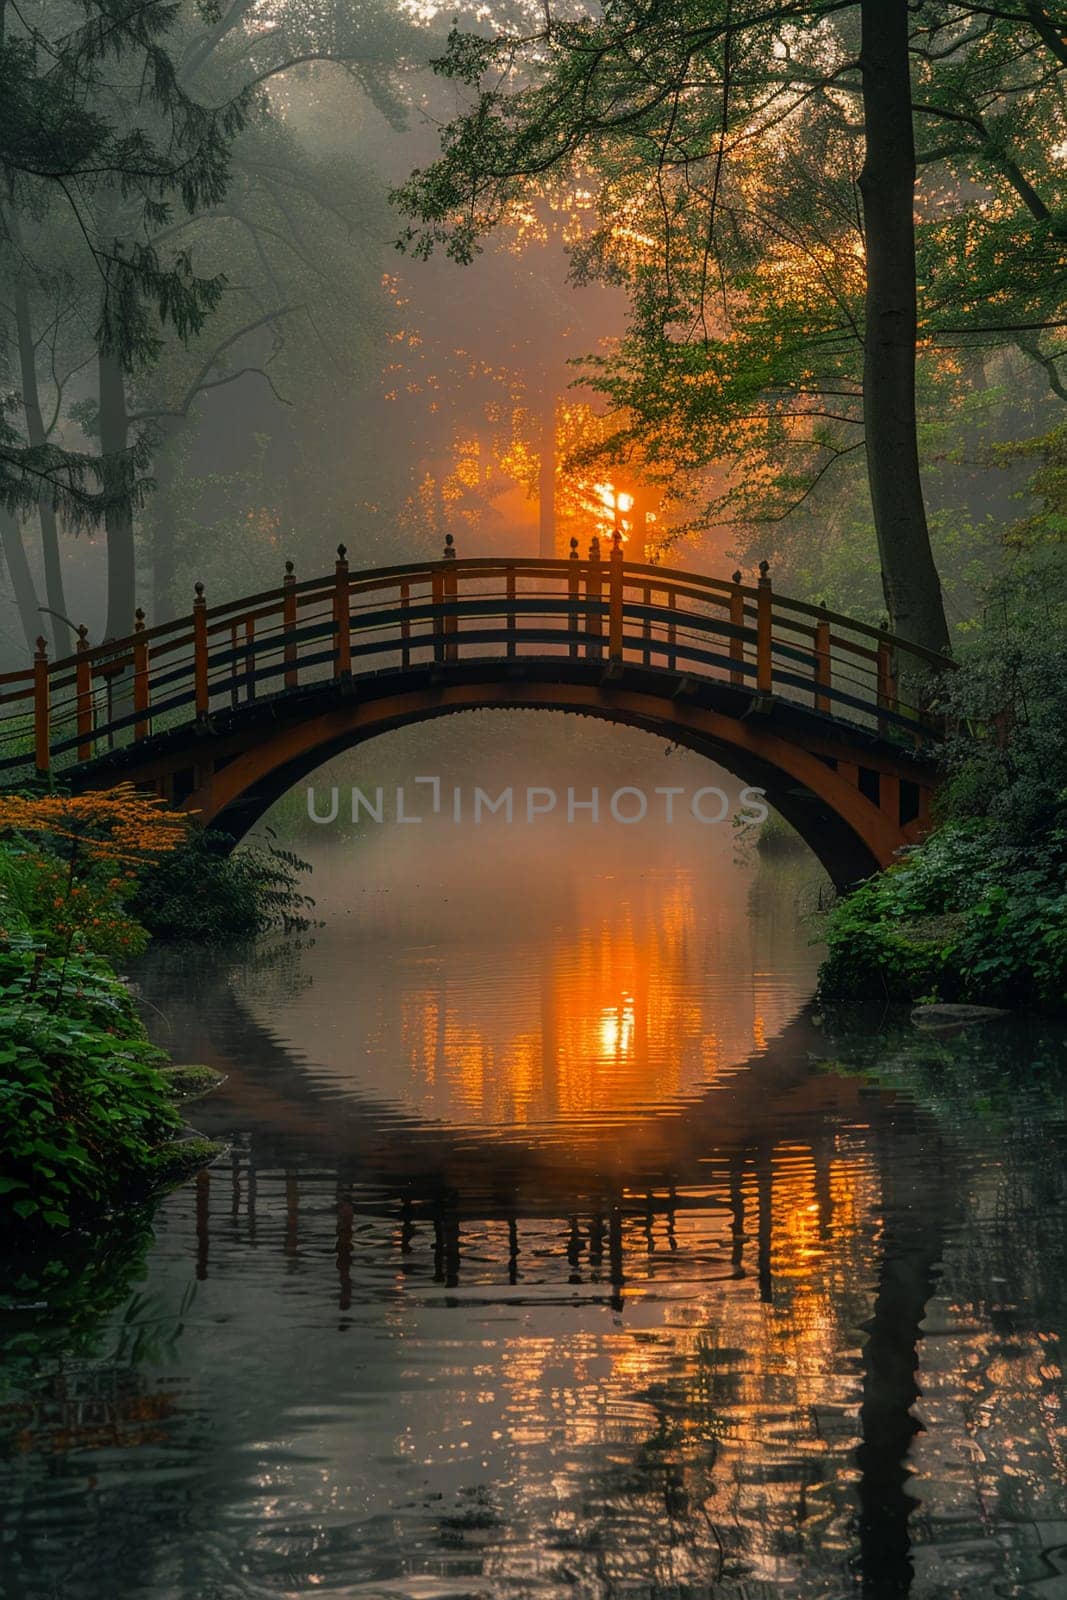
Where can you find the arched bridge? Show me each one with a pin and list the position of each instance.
(222, 711)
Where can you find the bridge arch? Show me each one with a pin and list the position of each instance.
(850, 833)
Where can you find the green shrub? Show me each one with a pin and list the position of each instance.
(962, 917)
(208, 893)
(82, 1104)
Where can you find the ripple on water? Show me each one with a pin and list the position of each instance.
(585, 1264)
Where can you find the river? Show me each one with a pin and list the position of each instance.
(560, 1248)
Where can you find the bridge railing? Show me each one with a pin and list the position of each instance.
(592, 608)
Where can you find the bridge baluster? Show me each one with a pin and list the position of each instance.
(405, 625)
(509, 584)
(594, 625)
(737, 623)
(615, 598)
(235, 667)
(449, 595)
(200, 683)
(436, 593)
(341, 618)
(573, 589)
(822, 664)
(41, 708)
(887, 694)
(289, 625)
(140, 677)
(763, 630)
(250, 658)
(83, 691)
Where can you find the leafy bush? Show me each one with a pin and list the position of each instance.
(82, 1104)
(208, 893)
(962, 917)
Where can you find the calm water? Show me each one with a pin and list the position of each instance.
(560, 1250)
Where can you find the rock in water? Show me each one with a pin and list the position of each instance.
(954, 1016)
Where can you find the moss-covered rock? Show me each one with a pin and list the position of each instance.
(172, 1163)
(192, 1082)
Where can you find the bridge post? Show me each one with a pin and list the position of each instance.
(763, 630)
(140, 677)
(449, 589)
(509, 589)
(405, 625)
(83, 692)
(573, 585)
(594, 625)
(200, 683)
(615, 598)
(737, 623)
(822, 664)
(341, 618)
(41, 709)
(289, 625)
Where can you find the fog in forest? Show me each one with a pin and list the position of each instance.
(340, 390)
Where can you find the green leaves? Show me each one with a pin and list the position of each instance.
(236, 896)
(960, 918)
(82, 1104)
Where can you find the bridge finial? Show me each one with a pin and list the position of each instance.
(289, 569)
(450, 547)
(574, 547)
(342, 552)
(83, 637)
(594, 548)
(616, 543)
(138, 619)
(764, 568)
(737, 576)
(42, 648)
(198, 590)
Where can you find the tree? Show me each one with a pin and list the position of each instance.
(769, 312)
(98, 128)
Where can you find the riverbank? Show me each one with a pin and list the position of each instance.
(91, 1109)
(965, 916)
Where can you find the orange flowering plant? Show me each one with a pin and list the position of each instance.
(83, 863)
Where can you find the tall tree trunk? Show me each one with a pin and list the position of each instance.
(118, 486)
(35, 432)
(546, 482)
(18, 570)
(887, 183)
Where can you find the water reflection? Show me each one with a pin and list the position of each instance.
(478, 992)
(784, 1321)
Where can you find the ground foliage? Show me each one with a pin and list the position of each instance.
(84, 1108)
(86, 1117)
(208, 893)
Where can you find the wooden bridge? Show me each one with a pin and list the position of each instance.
(222, 711)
